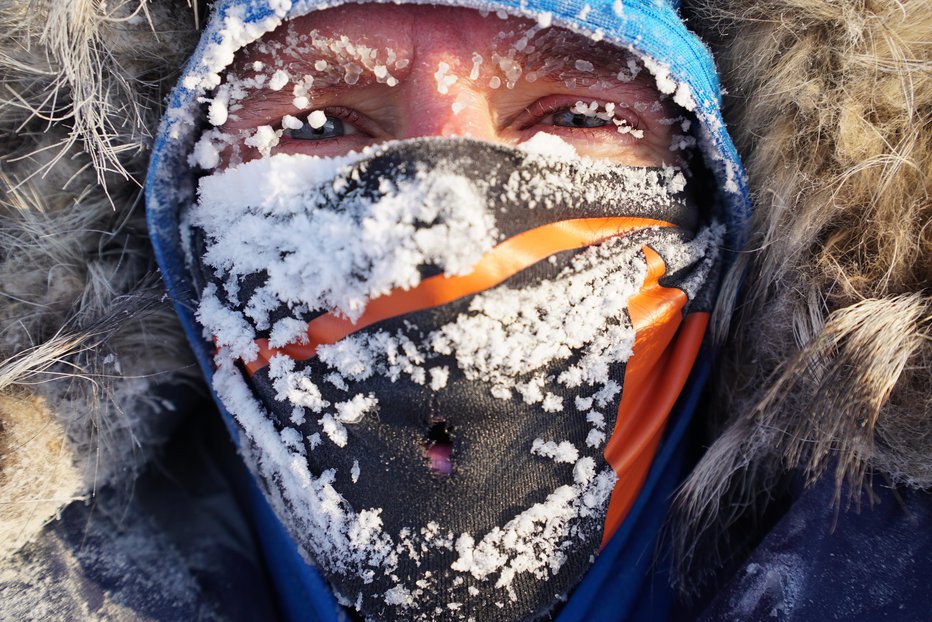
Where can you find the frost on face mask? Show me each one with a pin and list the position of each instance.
(511, 333)
(261, 215)
(376, 450)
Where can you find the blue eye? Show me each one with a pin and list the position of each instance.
(568, 118)
(332, 128)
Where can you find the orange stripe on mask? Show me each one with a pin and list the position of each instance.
(665, 348)
(665, 345)
(508, 258)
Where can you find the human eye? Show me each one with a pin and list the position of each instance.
(583, 115)
(621, 131)
(320, 125)
(571, 118)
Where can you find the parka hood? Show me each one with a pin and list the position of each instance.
(651, 29)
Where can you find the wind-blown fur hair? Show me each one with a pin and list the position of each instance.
(86, 334)
(826, 363)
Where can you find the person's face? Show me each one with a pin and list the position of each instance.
(447, 322)
(342, 79)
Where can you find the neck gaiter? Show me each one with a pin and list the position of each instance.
(450, 361)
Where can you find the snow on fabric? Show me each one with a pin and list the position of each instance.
(272, 216)
(257, 217)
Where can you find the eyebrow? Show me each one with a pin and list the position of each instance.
(582, 57)
(578, 59)
(301, 60)
(262, 103)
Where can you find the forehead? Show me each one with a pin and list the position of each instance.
(373, 33)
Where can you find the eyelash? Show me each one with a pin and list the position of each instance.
(532, 116)
(345, 114)
(340, 112)
(542, 109)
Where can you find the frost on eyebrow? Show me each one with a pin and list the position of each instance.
(307, 60)
(299, 63)
(540, 51)
(332, 58)
(290, 68)
(579, 62)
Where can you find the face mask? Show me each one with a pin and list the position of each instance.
(425, 347)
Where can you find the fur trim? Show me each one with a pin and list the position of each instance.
(827, 360)
(87, 334)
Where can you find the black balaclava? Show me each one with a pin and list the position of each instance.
(424, 347)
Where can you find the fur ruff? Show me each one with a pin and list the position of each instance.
(826, 361)
(86, 334)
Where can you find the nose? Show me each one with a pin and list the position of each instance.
(444, 102)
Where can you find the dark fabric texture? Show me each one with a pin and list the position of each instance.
(494, 477)
(562, 190)
(176, 546)
(867, 561)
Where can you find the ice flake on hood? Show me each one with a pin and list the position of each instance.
(230, 31)
(682, 95)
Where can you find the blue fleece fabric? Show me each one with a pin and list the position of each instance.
(869, 560)
(620, 586)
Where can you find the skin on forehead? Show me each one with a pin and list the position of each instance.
(405, 71)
